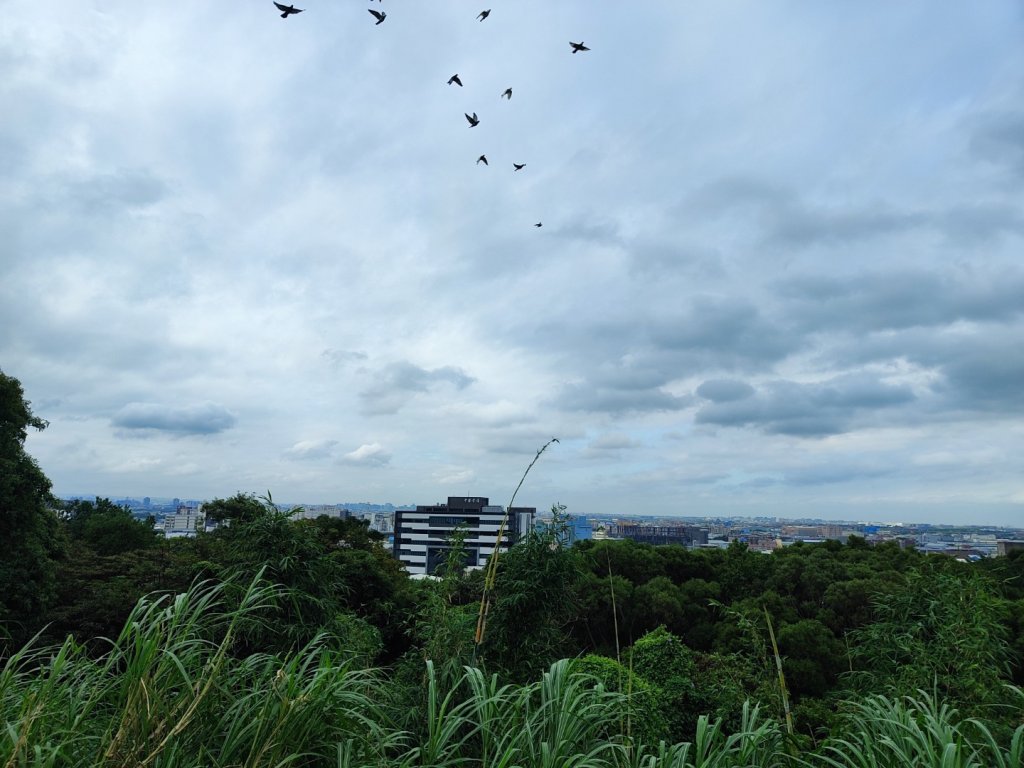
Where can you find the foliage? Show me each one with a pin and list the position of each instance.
(919, 731)
(106, 528)
(30, 541)
(641, 719)
(169, 691)
(534, 603)
(937, 630)
(661, 658)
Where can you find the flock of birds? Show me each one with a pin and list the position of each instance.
(472, 119)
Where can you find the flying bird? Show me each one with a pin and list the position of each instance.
(474, 121)
(482, 159)
(379, 15)
(287, 10)
(577, 47)
(455, 79)
(538, 224)
(519, 166)
(484, 14)
(507, 94)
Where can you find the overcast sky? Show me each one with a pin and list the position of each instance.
(781, 268)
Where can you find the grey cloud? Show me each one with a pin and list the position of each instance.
(591, 229)
(798, 225)
(725, 333)
(809, 410)
(787, 220)
(977, 370)
(108, 192)
(609, 446)
(978, 223)
(830, 474)
(397, 382)
(902, 299)
(986, 375)
(710, 334)
(342, 357)
(612, 442)
(724, 390)
(202, 419)
(999, 138)
(587, 397)
(523, 441)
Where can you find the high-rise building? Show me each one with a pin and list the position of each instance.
(422, 536)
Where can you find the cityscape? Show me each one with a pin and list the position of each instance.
(418, 535)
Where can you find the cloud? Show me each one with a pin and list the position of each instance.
(342, 357)
(807, 410)
(106, 192)
(397, 383)
(202, 419)
(454, 476)
(999, 138)
(903, 298)
(311, 449)
(587, 397)
(609, 446)
(785, 219)
(724, 390)
(368, 455)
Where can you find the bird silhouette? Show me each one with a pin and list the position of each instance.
(507, 94)
(484, 14)
(518, 166)
(474, 121)
(379, 15)
(577, 47)
(287, 10)
(539, 224)
(455, 79)
(482, 159)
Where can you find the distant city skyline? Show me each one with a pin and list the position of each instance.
(1017, 525)
(779, 271)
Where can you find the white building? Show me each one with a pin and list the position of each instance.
(422, 536)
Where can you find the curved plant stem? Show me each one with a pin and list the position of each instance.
(492, 564)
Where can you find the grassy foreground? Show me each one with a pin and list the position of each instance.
(172, 692)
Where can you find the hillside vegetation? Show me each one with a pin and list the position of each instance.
(274, 642)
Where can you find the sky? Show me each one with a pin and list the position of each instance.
(780, 272)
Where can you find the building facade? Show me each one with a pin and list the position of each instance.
(422, 537)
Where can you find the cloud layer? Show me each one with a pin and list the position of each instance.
(779, 269)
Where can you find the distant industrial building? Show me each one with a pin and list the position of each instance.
(576, 528)
(684, 535)
(422, 536)
(1006, 546)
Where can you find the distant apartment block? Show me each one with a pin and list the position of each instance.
(313, 511)
(421, 536)
(185, 522)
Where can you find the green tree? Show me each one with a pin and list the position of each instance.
(30, 540)
(662, 659)
(535, 603)
(106, 528)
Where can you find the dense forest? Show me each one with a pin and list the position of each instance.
(273, 642)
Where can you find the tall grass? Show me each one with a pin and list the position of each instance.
(168, 692)
(172, 691)
(920, 731)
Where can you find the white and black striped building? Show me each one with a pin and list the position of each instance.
(422, 535)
